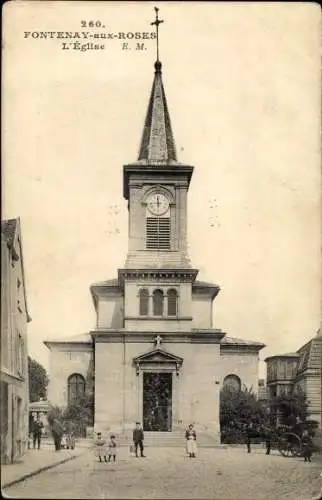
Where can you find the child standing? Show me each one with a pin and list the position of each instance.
(100, 447)
(111, 448)
(191, 438)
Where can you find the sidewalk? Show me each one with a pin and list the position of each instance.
(35, 461)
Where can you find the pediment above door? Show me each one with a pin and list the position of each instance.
(157, 358)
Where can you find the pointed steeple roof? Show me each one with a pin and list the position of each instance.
(157, 143)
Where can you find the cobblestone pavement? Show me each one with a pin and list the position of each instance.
(36, 460)
(168, 473)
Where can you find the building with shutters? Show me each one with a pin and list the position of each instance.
(302, 369)
(14, 392)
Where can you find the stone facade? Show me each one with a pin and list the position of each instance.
(155, 320)
(196, 384)
(14, 355)
(303, 369)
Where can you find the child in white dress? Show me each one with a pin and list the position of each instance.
(111, 452)
(191, 438)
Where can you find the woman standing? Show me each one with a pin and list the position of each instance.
(191, 438)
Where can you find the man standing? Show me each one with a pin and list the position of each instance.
(248, 437)
(138, 438)
(268, 440)
(57, 431)
(37, 432)
(306, 446)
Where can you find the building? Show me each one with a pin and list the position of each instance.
(262, 390)
(302, 369)
(14, 356)
(281, 370)
(309, 375)
(154, 354)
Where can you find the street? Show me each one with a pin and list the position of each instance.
(167, 473)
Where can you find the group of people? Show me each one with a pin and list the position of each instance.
(105, 450)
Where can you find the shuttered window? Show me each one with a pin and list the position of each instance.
(76, 387)
(158, 233)
(144, 302)
(172, 302)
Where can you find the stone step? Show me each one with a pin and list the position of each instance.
(169, 439)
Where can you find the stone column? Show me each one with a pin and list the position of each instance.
(140, 397)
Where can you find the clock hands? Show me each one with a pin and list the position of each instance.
(158, 204)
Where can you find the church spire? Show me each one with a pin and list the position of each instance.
(157, 143)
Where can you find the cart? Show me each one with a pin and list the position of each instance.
(289, 444)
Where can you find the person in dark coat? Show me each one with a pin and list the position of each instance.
(249, 434)
(268, 440)
(138, 437)
(37, 432)
(306, 446)
(57, 431)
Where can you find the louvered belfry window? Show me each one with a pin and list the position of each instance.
(158, 233)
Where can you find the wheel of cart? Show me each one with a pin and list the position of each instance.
(290, 445)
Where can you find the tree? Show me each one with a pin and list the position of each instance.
(79, 414)
(55, 418)
(38, 380)
(290, 409)
(238, 409)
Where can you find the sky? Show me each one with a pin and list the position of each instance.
(243, 88)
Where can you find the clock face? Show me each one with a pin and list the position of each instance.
(158, 204)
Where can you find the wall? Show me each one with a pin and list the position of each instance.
(201, 311)
(150, 325)
(63, 361)
(108, 385)
(241, 363)
(110, 312)
(313, 392)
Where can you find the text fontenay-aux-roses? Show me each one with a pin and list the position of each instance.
(74, 39)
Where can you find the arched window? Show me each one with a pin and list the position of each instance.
(232, 383)
(76, 387)
(158, 303)
(144, 302)
(172, 297)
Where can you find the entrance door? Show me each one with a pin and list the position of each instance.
(157, 401)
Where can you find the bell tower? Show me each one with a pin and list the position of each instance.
(156, 187)
(157, 276)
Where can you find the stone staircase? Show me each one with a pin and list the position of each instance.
(173, 439)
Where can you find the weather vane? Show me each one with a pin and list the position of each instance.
(156, 24)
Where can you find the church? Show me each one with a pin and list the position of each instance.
(154, 355)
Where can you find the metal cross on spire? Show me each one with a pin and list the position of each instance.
(156, 24)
